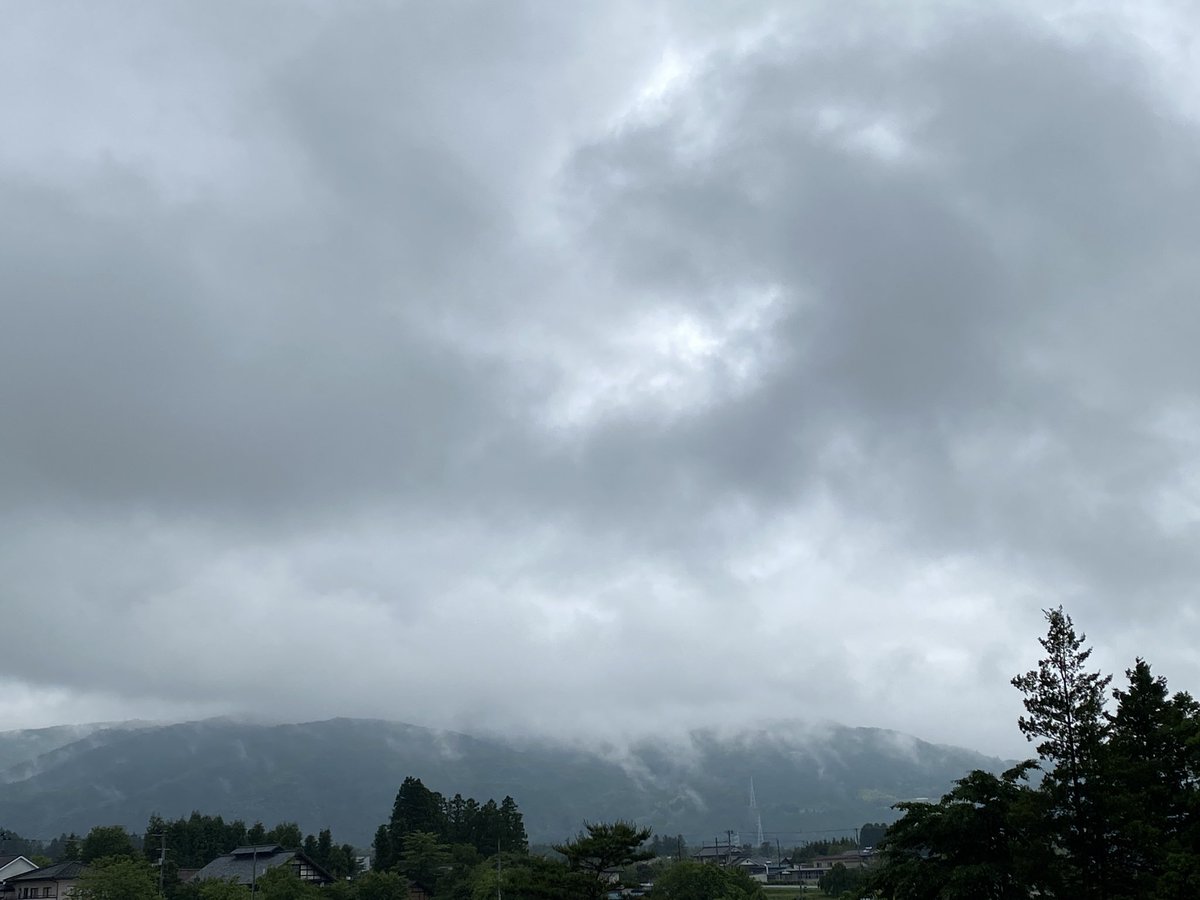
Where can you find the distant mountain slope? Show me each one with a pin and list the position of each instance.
(26, 745)
(344, 773)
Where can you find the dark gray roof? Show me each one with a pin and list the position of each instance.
(257, 850)
(244, 864)
(241, 867)
(57, 872)
(6, 858)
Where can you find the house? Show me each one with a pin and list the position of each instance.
(245, 864)
(760, 868)
(13, 864)
(721, 854)
(797, 874)
(56, 881)
(851, 859)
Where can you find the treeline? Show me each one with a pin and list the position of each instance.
(486, 828)
(1115, 815)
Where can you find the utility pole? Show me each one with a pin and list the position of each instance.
(728, 847)
(499, 874)
(254, 873)
(162, 859)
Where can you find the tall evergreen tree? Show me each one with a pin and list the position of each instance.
(512, 826)
(1065, 705)
(416, 808)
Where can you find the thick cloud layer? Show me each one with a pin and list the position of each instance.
(528, 366)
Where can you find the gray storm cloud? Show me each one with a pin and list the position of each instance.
(526, 367)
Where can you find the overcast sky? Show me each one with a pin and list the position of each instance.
(615, 366)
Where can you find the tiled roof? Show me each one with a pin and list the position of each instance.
(257, 850)
(246, 864)
(243, 867)
(57, 872)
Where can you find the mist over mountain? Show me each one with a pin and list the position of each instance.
(344, 773)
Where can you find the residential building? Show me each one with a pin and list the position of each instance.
(246, 864)
(14, 864)
(56, 881)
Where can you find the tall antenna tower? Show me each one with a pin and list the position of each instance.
(755, 814)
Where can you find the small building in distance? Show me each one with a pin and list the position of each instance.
(720, 854)
(57, 881)
(246, 865)
(13, 864)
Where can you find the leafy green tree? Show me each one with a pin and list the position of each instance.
(841, 880)
(872, 834)
(1065, 704)
(216, 889)
(324, 847)
(695, 881)
(385, 858)
(416, 808)
(287, 835)
(512, 826)
(522, 877)
(425, 858)
(671, 847)
(604, 846)
(982, 841)
(1152, 774)
(108, 841)
(381, 886)
(116, 878)
(281, 883)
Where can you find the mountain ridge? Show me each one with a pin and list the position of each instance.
(343, 773)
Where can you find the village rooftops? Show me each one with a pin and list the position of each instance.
(245, 865)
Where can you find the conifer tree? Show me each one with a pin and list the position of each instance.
(1065, 706)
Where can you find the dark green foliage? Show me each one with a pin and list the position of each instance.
(11, 842)
(117, 878)
(281, 883)
(416, 809)
(380, 886)
(488, 829)
(522, 877)
(1152, 772)
(810, 851)
(1065, 706)
(425, 858)
(107, 841)
(196, 840)
(694, 881)
(64, 847)
(840, 880)
(286, 834)
(1115, 817)
(222, 890)
(603, 846)
(982, 840)
(672, 847)
(871, 834)
(385, 857)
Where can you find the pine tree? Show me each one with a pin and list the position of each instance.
(1065, 705)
